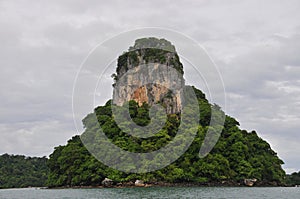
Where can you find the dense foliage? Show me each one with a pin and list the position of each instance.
(293, 179)
(237, 155)
(19, 171)
(149, 55)
(152, 42)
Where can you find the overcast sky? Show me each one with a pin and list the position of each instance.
(255, 44)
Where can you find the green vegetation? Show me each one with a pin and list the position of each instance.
(293, 179)
(19, 171)
(149, 55)
(153, 42)
(238, 154)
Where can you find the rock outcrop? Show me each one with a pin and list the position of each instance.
(249, 182)
(107, 182)
(139, 183)
(151, 73)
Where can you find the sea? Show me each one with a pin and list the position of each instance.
(154, 192)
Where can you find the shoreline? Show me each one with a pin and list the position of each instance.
(165, 184)
(147, 185)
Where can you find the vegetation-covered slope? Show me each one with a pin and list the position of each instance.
(237, 155)
(19, 171)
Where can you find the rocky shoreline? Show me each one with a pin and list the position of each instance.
(180, 184)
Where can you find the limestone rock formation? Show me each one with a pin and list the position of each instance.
(150, 72)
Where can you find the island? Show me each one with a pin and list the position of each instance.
(239, 158)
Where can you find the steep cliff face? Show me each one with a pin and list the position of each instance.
(150, 72)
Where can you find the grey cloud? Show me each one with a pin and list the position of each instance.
(264, 85)
(32, 138)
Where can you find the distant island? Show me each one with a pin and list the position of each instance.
(19, 171)
(238, 158)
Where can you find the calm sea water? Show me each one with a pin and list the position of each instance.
(153, 192)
